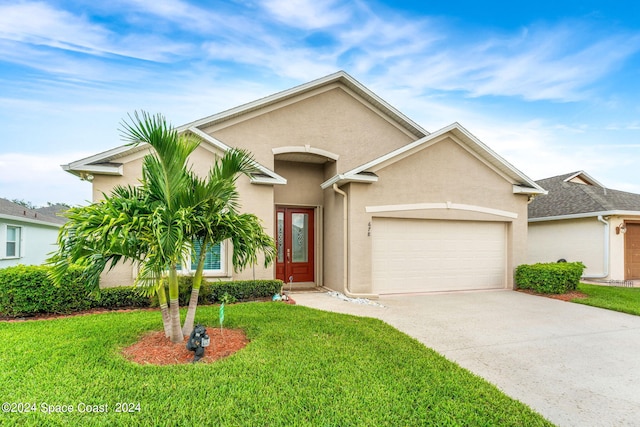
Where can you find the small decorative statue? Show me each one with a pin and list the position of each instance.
(198, 340)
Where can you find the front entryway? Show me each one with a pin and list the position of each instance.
(295, 244)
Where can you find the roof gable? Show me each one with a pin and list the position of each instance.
(111, 162)
(340, 77)
(578, 194)
(366, 172)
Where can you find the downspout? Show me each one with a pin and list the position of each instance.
(345, 247)
(606, 251)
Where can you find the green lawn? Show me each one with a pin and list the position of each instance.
(626, 300)
(302, 367)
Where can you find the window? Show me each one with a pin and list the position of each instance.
(213, 261)
(13, 242)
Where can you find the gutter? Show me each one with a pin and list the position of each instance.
(345, 248)
(606, 252)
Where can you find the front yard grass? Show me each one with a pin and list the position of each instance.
(302, 367)
(626, 300)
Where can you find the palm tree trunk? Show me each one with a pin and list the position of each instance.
(174, 306)
(164, 309)
(195, 291)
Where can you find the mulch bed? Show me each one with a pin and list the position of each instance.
(156, 349)
(563, 297)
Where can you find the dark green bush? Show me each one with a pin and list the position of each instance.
(27, 291)
(121, 297)
(212, 292)
(549, 278)
(243, 290)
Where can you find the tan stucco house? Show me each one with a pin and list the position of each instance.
(359, 198)
(582, 220)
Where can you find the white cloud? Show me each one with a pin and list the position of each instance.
(309, 14)
(40, 179)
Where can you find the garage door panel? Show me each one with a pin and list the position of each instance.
(432, 255)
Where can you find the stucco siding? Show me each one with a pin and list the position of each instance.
(573, 240)
(333, 120)
(303, 184)
(444, 172)
(333, 251)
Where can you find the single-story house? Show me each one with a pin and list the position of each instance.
(359, 197)
(27, 236)
(582, 220)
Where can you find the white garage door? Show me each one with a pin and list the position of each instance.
(412, 255)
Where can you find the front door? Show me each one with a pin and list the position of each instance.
(632, 251)
(295, 244)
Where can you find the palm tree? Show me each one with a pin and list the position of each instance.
(157, 224)
(217, 219)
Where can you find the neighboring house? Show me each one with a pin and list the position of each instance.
(581, 220)
(359, 198)
(27, 236)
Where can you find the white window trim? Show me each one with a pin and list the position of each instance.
(20, 242)
(207, 273)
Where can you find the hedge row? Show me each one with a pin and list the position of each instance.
(212, 292)
(27, 291)
(549, 278)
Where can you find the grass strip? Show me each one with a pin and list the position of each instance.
(625, 300)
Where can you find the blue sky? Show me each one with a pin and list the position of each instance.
(553, 87)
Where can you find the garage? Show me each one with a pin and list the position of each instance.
(419, 255)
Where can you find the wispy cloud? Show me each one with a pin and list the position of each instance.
(40, 24)
(309, 14)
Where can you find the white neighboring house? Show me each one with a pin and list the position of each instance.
(27, 236)
(582, 220)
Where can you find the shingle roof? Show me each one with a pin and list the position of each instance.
(9, 208)
(570, 198)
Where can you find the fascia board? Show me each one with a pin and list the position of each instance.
(519, 189)
(16, 219)
(585, 215)
(345, 178)
(78, 164)
(101, 169)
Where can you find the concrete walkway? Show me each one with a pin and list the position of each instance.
(576, 365)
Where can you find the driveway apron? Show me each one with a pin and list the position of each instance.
(576, 365)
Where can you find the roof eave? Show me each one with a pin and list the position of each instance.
(18, 218)
(585, 215)
(342, 179)
(519, 189)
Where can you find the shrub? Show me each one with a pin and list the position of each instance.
(243, 290)
(124, 296)
(549, 278)
(212, 292)
(27, 291)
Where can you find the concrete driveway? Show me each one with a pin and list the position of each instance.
(575, 365)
